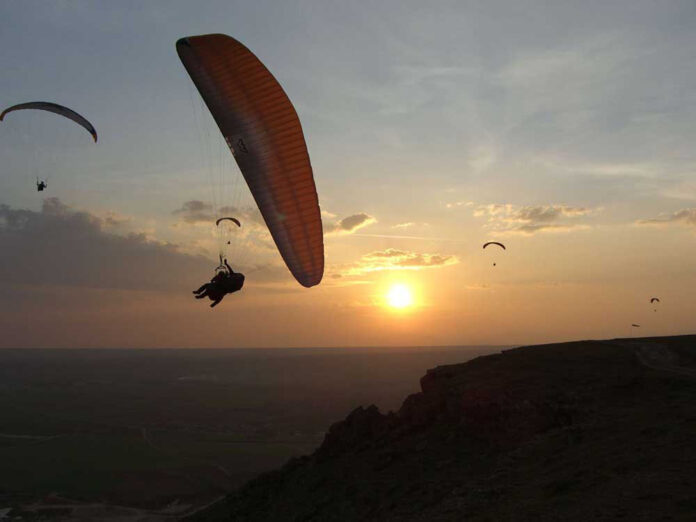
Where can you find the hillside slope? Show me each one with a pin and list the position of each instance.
(597, 430)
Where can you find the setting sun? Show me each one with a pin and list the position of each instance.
(399, 296)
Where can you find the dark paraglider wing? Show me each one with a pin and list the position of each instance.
(263, 131)
(494, 243)
(56, 109)
(655, 300)
(233, 220)
(636, 325)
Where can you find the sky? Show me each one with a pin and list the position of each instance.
(564, 130)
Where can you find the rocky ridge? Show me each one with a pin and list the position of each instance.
(592, 429)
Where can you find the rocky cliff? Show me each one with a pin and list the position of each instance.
(594, 429)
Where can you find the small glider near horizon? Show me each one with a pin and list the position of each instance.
(56, 109)
(226, 231)
(655, 300)
(494, 243)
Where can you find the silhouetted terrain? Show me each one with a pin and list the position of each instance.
(591, 430)
(86, 434)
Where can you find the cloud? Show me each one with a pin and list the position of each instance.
(548, 213)
(455, 204)
(528, 220)
(396, 259)
(354, 222)
(350, 224)
(685, 216)
(530, 229)
(195, 211)
(62, 246)
(410, 224)
(115, 220)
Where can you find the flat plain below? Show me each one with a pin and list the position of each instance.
(173, 429)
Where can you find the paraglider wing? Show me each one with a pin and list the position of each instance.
(234, 220)
(56, 109)
(655, 300)
(263, 131)
(636, 325)
(494, 243)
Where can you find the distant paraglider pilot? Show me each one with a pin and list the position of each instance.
(226, 281)
(494, 243)
(55, 109)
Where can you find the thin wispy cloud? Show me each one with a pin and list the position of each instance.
(455, 204)
(528, 220)
(397, 259)
(410, 225)
(685, 217)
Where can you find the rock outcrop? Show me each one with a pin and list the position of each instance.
(556, 432)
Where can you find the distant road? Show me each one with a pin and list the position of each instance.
(659, 357)
(204, 507)
(655, 356)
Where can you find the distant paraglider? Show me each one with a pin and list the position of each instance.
(42, 183)
(494, 243)
(233, 220)
(654, 300)
(56, 109)
(225, 228)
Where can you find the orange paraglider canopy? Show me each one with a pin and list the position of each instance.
(263, 131)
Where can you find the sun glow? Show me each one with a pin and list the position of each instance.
(399, 296)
